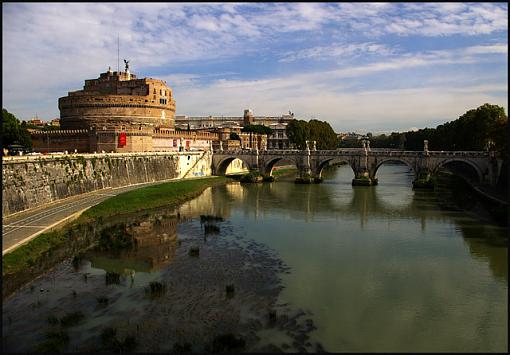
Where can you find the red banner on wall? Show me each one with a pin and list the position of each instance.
(122, 139)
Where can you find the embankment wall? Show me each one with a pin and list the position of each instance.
(32, 181)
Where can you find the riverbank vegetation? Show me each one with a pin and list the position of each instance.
(483, 128)
(151, 197)
(300, 131)
(48, 248)
(14, 131)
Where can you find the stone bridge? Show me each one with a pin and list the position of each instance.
(364, 162)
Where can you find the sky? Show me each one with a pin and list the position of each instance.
(363, 67)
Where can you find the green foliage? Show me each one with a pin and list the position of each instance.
(14, 132)
(150, 197)
(483, 128)
(29, 254)
(253, 176)
(257, 128)
(234, 136)
(300, 131)
(297, 131)
(285, 171)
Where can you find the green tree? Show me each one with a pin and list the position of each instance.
(300, 131)
(323, 134)
(483, 128)
(235, 136)
(297, 131)
(13, 132)
(257, 128)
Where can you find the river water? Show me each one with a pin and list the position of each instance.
(356, 269)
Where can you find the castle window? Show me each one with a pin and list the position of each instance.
(154, 91)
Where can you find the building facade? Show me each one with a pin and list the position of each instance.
(224, 125)
(116, 100)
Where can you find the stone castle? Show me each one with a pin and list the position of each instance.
(118, 112)
(118, 99)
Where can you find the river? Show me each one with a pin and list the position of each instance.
(344, 269)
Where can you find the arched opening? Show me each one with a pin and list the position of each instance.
(336, 168)
(232, 166)
(462, 168)
(394, 172)
(279, 166)
(394, 192)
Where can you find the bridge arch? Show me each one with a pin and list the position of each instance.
(394, 159)
(221, 167)
(268, 167)
(322, 164)
(466, 162)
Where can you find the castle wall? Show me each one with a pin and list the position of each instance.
(30, 182)
(61, 141)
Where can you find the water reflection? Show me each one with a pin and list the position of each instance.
(379, 268)
(383, 268)
(154, 240)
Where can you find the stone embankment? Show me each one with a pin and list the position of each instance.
(32, 181)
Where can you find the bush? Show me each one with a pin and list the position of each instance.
(252, 177)
(112, 278)
(156, 288)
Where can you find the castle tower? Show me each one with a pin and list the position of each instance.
(248, 117)
(116, 100)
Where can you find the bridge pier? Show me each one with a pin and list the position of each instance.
(423, 180)
(363, 178)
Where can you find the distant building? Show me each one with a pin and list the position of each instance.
(36, 122)
(278, 140)
(55, 122)
(201, 122)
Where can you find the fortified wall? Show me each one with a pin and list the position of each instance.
(29, 182)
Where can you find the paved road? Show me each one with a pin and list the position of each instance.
(25, 225)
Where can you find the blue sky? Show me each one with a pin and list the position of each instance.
(375, 67)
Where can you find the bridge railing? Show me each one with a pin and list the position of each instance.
(355, 151)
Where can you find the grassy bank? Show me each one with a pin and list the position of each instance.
(285, 171)
(154, 196)
(34, 253)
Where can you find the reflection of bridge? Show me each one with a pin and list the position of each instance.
(363, 161)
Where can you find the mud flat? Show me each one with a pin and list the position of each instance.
(150, 294)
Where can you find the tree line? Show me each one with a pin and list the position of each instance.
(483, 128)
(14, 132)
(300, 131)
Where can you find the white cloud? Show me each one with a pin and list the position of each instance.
(49, 49)
(318, 94)
(338, 51)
